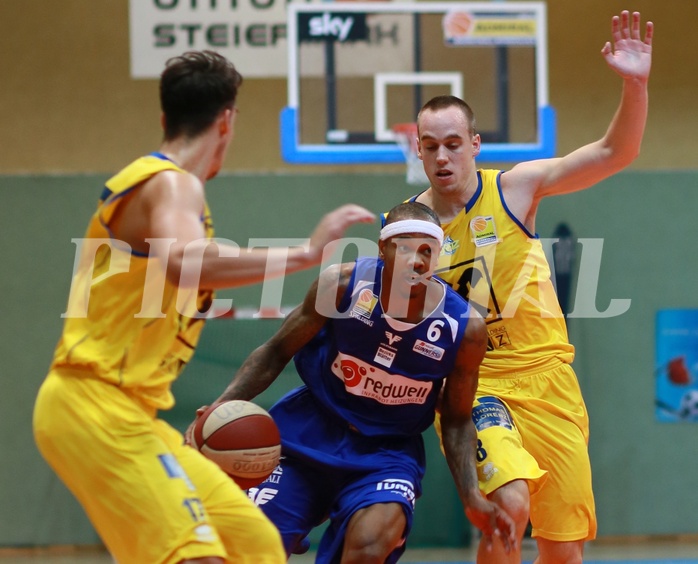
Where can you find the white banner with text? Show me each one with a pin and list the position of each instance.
(251, 33)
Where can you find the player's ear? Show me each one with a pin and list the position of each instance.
(225, 123)
(475, 142)
(381, 248)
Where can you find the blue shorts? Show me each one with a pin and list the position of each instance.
(332, 475)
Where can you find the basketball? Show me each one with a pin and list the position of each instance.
(457, 24)
(241, 438)
(678, 372)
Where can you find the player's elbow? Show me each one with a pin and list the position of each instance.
(627, 157)
(620, 157)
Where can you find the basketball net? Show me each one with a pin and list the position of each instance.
(406, 138)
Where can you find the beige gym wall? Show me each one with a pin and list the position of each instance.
(68, 103)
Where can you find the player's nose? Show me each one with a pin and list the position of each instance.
(418, 262)
(441, 155)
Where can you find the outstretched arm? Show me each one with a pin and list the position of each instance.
(630, 56)
(168, 208)
(267, 361)
(460, 439)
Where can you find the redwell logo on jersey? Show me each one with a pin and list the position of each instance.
(364, 380)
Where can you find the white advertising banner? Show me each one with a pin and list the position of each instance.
(251, 33)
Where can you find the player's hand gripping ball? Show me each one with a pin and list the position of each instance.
(241, 438)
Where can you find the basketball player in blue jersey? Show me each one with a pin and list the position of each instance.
(530, 415)
(151, 498)
(377, 343)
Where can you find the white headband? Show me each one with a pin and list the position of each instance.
(413, 226)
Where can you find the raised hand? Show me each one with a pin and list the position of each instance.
(630, 56)
(334, 224)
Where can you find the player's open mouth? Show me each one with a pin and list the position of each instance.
(414, 278)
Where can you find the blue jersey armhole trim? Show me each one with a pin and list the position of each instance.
(106, 194)
(508, 211)
(470, 203)
(345, 300)
(160, 156)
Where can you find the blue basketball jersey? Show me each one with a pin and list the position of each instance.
(379, 375)
(352, 435)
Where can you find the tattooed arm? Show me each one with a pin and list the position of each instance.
(460, 437)
(266, 362)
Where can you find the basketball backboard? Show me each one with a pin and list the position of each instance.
(355, 69)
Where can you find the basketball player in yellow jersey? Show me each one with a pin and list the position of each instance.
(531, 419)
(148, 267)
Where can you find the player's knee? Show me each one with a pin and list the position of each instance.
(365, 545)
(373, 533)
(515, 499)
(367, 551)
(553, 552)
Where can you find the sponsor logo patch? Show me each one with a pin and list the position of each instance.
(174, 470)
(363, 308)
(364, 380)
(498, 337)
(366, 302)
(260, 496)
(405, 488)
(483, 230)
(429, 350)
(491, 412)
(205, 533)
(487, 472)
(450, 246)
(392, 339)
(384, 357)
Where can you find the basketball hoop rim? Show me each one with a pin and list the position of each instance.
(406, 134)
(405, 127)
(409, 131)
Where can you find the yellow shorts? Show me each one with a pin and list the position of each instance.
(535, 427)
(152, 499)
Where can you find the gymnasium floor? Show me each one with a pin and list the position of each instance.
(670, 550)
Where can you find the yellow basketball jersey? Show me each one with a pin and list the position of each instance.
(489, 258)
(125, 322)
